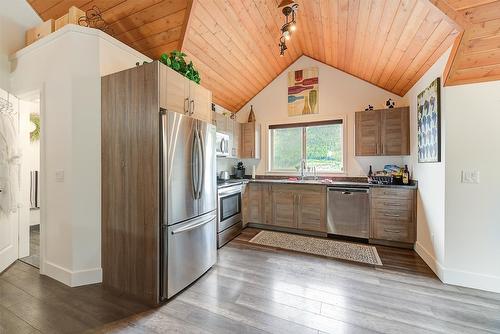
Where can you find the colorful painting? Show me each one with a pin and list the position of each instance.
(429, 123)
(303, 94)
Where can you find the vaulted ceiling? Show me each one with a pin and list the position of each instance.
(476, 53)
(234, 43)
(149, 26)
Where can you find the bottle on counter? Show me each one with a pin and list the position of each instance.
(370, 172)
(406, 175)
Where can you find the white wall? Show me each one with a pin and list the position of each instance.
(472, 244)
(459, 224)
(340, 96)
(430, 176)
(69, 80)
(16, 16)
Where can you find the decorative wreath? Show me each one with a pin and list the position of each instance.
(35, 134)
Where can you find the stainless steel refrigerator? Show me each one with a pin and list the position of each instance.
(188, 201)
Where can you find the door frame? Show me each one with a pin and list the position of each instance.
(29, 96)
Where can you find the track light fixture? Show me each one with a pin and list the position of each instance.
(290, 12)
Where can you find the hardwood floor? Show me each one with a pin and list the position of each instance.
(253, 289)
(34, 257)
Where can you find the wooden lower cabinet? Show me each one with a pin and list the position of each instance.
(393, 216)
(300, 207)
(256, 207)
(311, 209)
(283, 207)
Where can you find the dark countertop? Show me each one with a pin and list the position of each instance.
(341, 182)
(330, 183)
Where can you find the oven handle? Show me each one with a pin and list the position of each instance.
(225, 193)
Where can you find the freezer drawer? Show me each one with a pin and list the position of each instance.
(348, 212)
(192, 250)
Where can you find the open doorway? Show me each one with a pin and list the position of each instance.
(29, 217)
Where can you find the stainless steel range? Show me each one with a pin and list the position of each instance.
(229, 217)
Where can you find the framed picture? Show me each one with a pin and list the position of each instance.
(303, 93)
(429, 123)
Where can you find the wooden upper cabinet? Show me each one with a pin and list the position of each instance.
(174, 90)
(179, 94)
(383, 132)
(368, 133)
(200, 102)
(250, 140)
(235, 143)
(395, 128)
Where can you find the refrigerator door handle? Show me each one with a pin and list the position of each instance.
(193, 225)
(201, 165)
(194, 164)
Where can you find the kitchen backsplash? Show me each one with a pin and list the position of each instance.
(227, 164)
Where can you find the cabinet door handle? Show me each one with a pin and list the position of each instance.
(391, 215)
(391, 230)
(392, 204)
(186, 105)
(192, 107)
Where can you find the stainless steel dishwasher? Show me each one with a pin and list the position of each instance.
(348, 211)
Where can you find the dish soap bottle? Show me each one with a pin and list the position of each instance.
(406, 175)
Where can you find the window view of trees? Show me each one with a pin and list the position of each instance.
(287, 148)
(323, 148)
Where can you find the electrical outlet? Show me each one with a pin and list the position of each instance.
(470, 176)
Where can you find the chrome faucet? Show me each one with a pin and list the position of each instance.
(302, 168)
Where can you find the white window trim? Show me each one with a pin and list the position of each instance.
(293, 172)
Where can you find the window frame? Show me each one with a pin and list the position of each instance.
(304, 126)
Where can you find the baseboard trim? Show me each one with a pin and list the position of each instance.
(472, 280)
(458, 277)
(72, 278)
(431, 261)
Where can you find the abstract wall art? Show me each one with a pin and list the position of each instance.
(429, 123)
(303, 93)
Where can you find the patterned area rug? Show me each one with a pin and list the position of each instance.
(325, 247)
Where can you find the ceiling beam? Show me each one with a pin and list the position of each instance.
(187, 22)
(451, 15)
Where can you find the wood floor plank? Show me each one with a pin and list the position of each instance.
(256, 289)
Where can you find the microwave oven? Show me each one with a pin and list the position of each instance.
(222, 147)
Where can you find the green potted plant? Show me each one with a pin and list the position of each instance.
(177, 62)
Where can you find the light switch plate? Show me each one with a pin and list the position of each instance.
(60, 175)
(470, 176)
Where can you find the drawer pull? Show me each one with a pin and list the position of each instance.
(391, 215)
(392, 204)
(391, 231)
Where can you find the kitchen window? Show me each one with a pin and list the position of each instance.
(318, 144)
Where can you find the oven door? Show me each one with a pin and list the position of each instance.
(229, 208)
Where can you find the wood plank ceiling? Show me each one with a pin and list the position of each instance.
(476, 54)
(149, 26)
(389, 43)
(234, 43)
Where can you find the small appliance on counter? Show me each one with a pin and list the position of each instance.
(224, 175)
(239, 171)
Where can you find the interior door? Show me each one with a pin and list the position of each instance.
(208, 172)
(180, 171)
